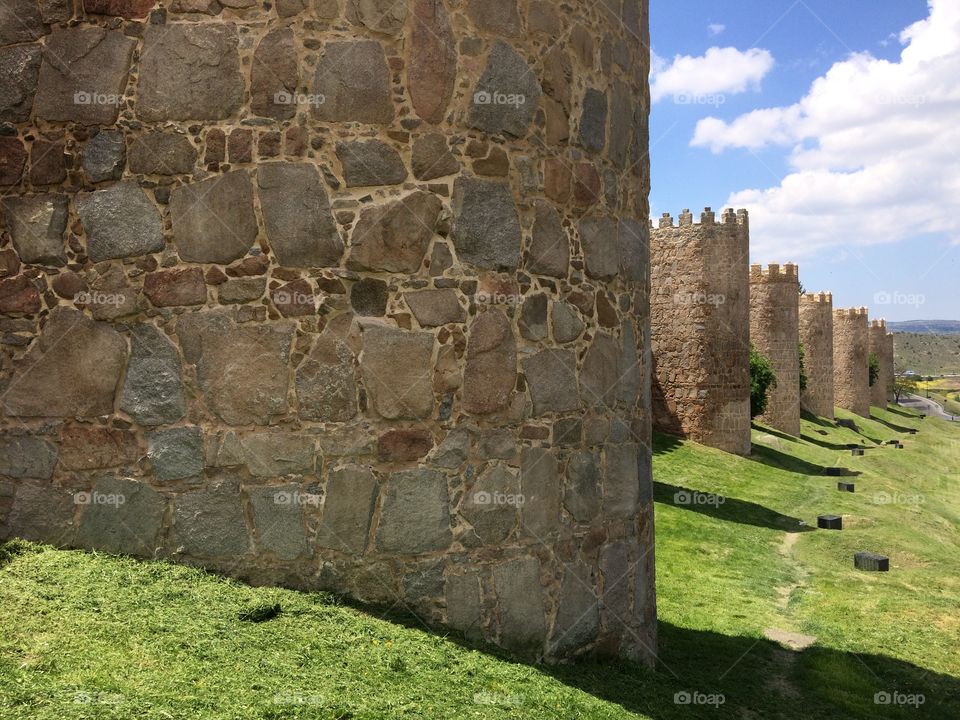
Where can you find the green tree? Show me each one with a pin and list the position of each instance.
(762, 380)
(803, 368)
(904, 384)
(874, 369)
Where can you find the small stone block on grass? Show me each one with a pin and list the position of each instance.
(857, 452)
(846, 487)
(871, 562)
(830, 522)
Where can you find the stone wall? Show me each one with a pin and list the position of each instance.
(888, 367)
(851, 385)
(775, 332)
(882, 348)
(699, 311)
(342, 294)
(816, 336)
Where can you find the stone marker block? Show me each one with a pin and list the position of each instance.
(871, 562)
(830, 522)
(857, 452)
(846, 487)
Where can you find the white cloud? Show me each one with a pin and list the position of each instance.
(717, 72)
(871, 148)
(716, 29)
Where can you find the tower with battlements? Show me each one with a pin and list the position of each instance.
(700, 326)
(851, 351)
(775, 332)
(816, 337)
(880, 344)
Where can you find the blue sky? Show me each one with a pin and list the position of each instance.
(859, 183)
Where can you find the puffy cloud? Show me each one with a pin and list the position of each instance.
(870, 148)
(717, 72)
(716, 29)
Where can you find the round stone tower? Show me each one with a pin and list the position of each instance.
(342, 294)
(880, 346)
(700, 328)
(850, 360)
(775, 332)
(816, 336)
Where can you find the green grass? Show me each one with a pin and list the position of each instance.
(92, 636)
(928, 353)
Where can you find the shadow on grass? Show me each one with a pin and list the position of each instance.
(784, 461)
(897, 428)
(760, 679)
(731, 509)
(665, 444)
(11, 549)
(897, 410)
(774, 432)
(833, 446)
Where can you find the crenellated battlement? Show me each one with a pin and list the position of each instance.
(774, 273)
(878, 324)
(707, 217)
(824, 298)
(860, 312)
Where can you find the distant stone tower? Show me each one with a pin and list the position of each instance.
(851, 380)
(881, 347)
(816, 336)
(700, 329)
(890, 366)
(775, 331)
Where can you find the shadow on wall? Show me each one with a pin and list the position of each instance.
(664, 420)
(725, 508)
(758, 678)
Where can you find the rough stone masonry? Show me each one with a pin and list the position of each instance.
(816, 337)
(700, 328)
(880, 344)
(851, 360)
(775, 332)
(341, 294)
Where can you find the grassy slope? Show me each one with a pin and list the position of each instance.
(158, 641)
(928, 354)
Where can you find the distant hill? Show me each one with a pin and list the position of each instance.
(928, 354)
(926, 327)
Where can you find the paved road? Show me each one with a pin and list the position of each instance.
(927, 407)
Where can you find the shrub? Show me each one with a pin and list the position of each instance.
(762, 380)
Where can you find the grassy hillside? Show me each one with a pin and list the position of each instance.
(89, 636)
(928, 354)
